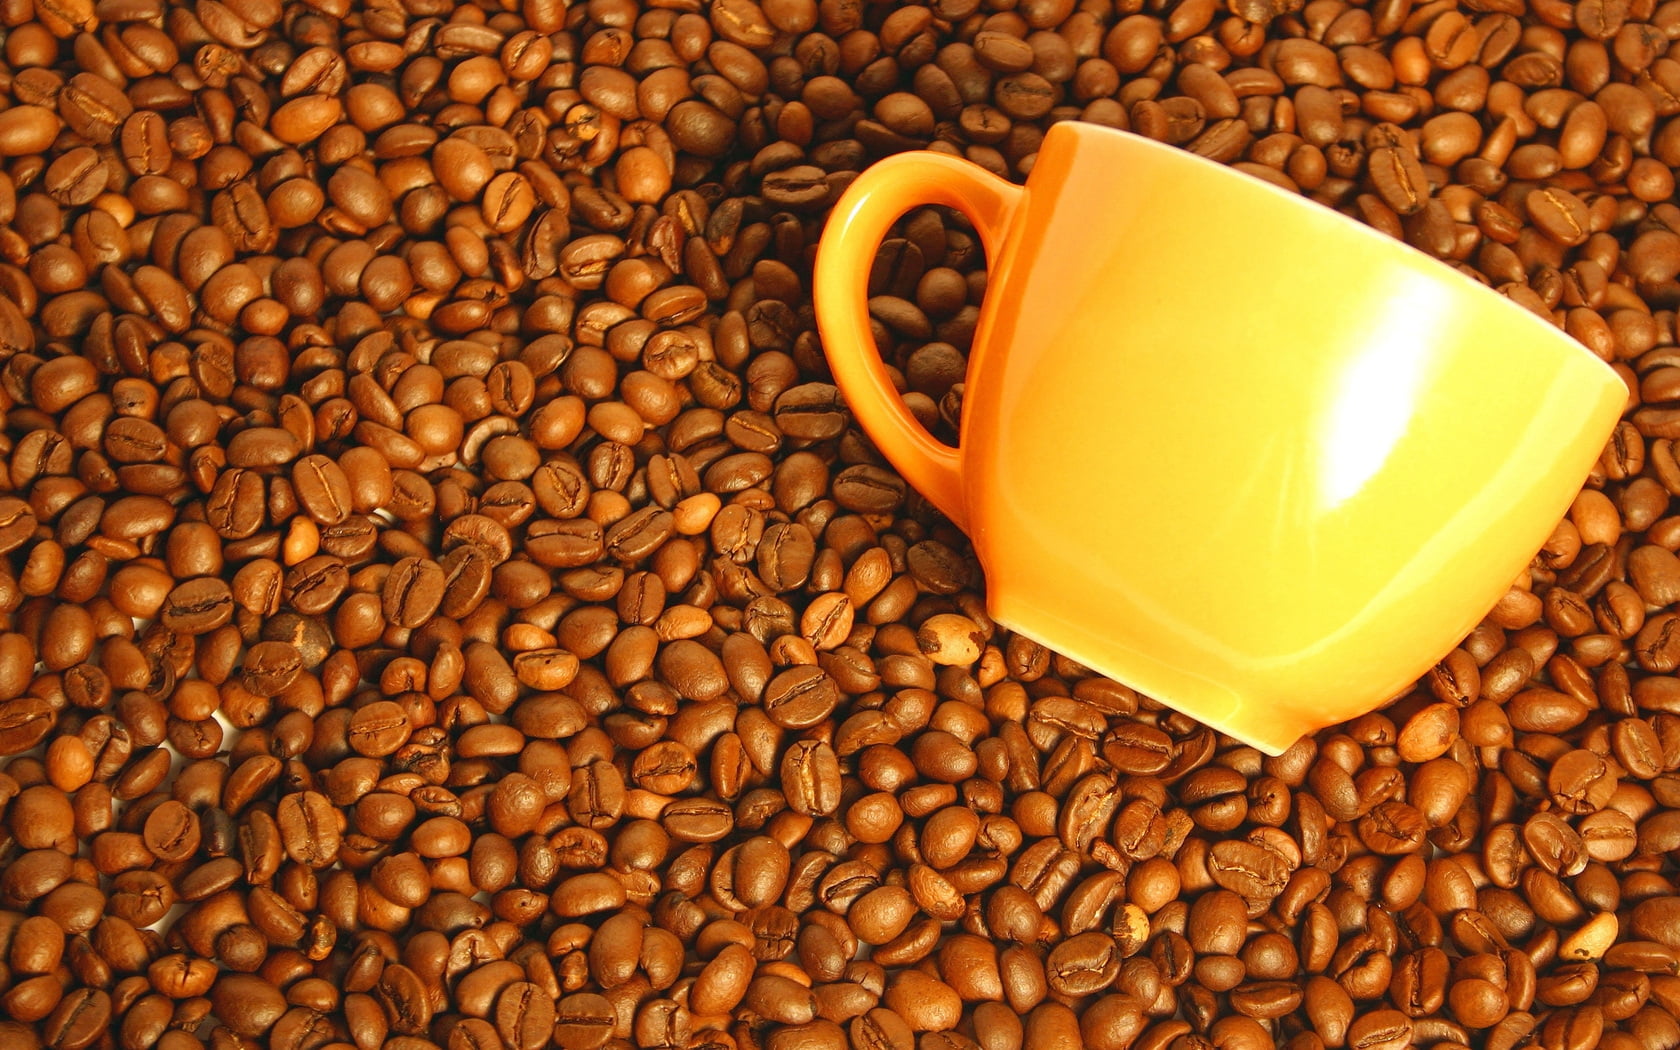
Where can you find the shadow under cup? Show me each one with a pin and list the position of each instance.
(1222, 444)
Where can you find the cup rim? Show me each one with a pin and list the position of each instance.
(1326, 217)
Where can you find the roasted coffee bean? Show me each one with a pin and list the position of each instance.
(378, 729)
(583, 1021)
(413, 591)
(247, 1004)
(810, 775)
(323, 489)
(1251, 870)
(197, 606)
(1558, 214)
(308, 828)
(1084, 964)
(1399, 178)
(800, 697)
(172, 832)
(525, 1016)
(24, 722)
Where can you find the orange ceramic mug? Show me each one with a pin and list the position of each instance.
(1219, 443)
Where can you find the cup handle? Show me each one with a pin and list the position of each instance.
(864, 214)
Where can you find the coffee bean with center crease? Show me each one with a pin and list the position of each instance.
(1083, 964)
(235, 504)
(309, 828)
(315, 585)
(810, 775)
(80, 1018)
(17, 523)
(413, 591)
(1248, 869)
(93, 107)
(801, 187)
(270, 667)
(800, 697)
(1559, 214)
(1380, 1030)
(378, 729)
(1399, 178)
(811, 412)
(24, 722)
(405, 998)
(1137, 749)
(323, 489)
(76, 177)
(868, 489)
(468, 574)
(583, 1021)
(525, 1016)
(172, 832)
(197, 606)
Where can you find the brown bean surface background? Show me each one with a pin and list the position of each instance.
(446, 605)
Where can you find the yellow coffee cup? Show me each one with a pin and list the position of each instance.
(1222, 444)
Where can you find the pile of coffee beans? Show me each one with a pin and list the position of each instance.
(446, 605)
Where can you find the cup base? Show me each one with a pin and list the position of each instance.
(1214, 706)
